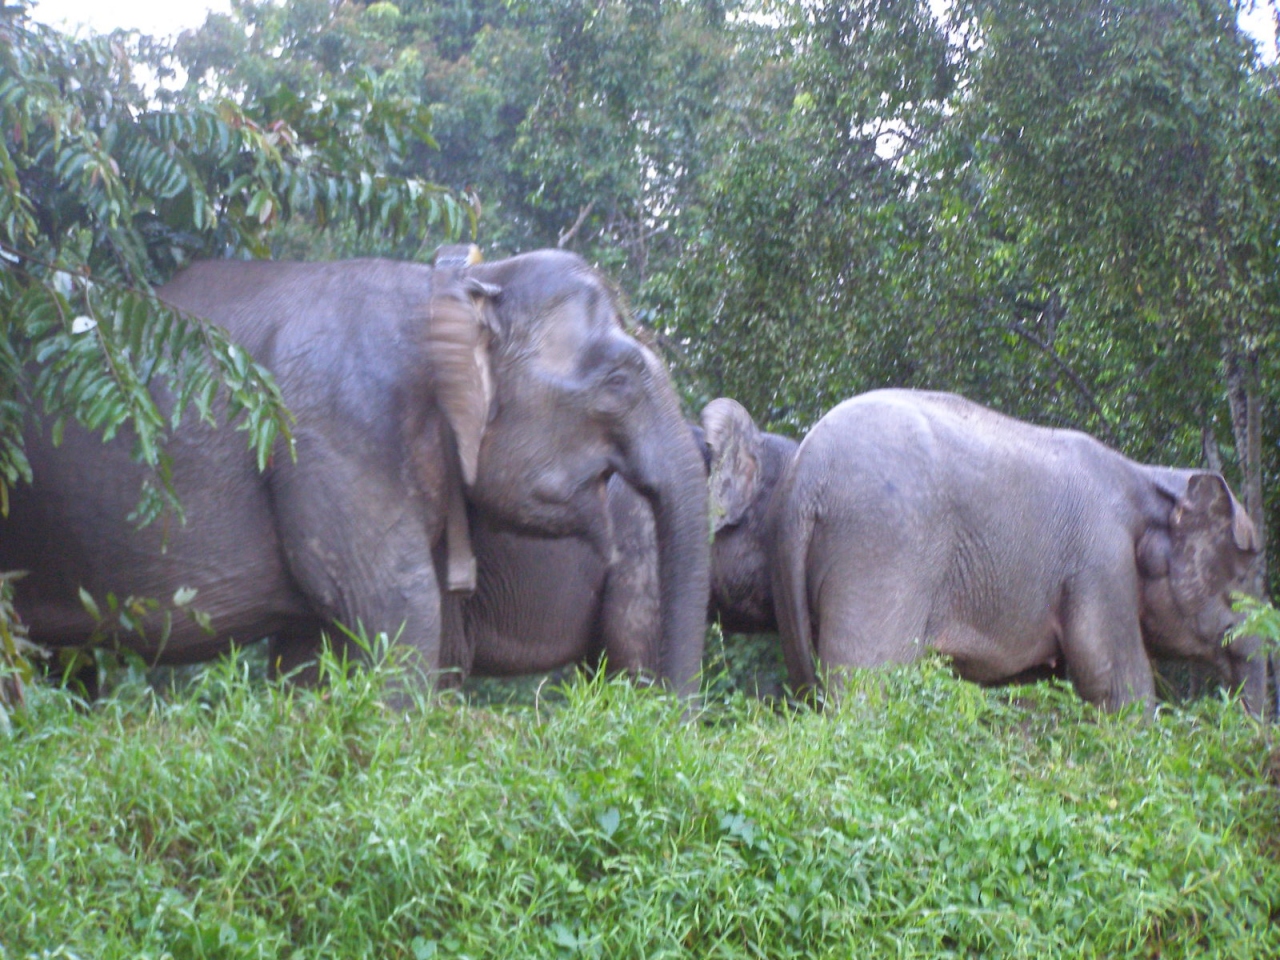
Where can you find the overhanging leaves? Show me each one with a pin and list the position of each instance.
(106, 192)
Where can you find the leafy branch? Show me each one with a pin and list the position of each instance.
(103, 194)
(98, 349)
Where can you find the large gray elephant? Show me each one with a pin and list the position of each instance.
(508, 390)
(910, 520)
(541, 603)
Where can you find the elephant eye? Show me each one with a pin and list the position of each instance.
(617, 380)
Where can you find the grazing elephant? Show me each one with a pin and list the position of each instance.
(911, 520)
(507, 390)
(545, 603)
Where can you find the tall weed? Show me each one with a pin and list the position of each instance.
(922, 817)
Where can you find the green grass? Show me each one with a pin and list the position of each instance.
(925, 817)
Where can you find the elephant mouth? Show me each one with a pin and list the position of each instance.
(561, 489)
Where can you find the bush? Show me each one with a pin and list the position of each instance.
(924, 817)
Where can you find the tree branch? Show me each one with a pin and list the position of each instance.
(1065, 369)
(569, 234)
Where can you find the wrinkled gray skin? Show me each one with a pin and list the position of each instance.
(541, 604)
(911, 520)
(513, 381)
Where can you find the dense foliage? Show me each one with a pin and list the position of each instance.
(1065, 210)
(925, 818)
(1144, 139)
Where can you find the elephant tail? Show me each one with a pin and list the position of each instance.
(791, 590)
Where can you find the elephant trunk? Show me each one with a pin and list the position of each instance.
(668, 470)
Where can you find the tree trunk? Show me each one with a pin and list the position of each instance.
(1246, 424)
(1209, 448)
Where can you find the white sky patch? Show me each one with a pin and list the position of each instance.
(1260, 23)
(160, 18)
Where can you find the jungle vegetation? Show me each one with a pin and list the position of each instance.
(1066, 209)
(925, 818)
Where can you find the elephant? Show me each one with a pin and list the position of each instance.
(501, 395)
(541, 603)
(747, 466)
(911, 520)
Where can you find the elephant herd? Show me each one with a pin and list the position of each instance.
(490, 468)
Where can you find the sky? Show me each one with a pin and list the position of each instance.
(157, 17)
(165, 17)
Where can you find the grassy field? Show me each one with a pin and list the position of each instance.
(925, 817)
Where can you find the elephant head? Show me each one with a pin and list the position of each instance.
(745, 467)
(1190, 568)
(547, 396)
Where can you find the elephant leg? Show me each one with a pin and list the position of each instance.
(1102, 643)
(631, 610)
(359, 550)
(631, 622)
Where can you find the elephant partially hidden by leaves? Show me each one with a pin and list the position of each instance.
(541, 604)
(508, 391)
(911, 520)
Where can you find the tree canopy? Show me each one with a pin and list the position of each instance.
(1066, 209)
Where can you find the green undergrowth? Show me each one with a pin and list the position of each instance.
(924, 817)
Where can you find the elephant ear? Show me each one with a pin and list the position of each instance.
(1209, 506)
(734, 443)
(1211, 538)
(462, 334)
